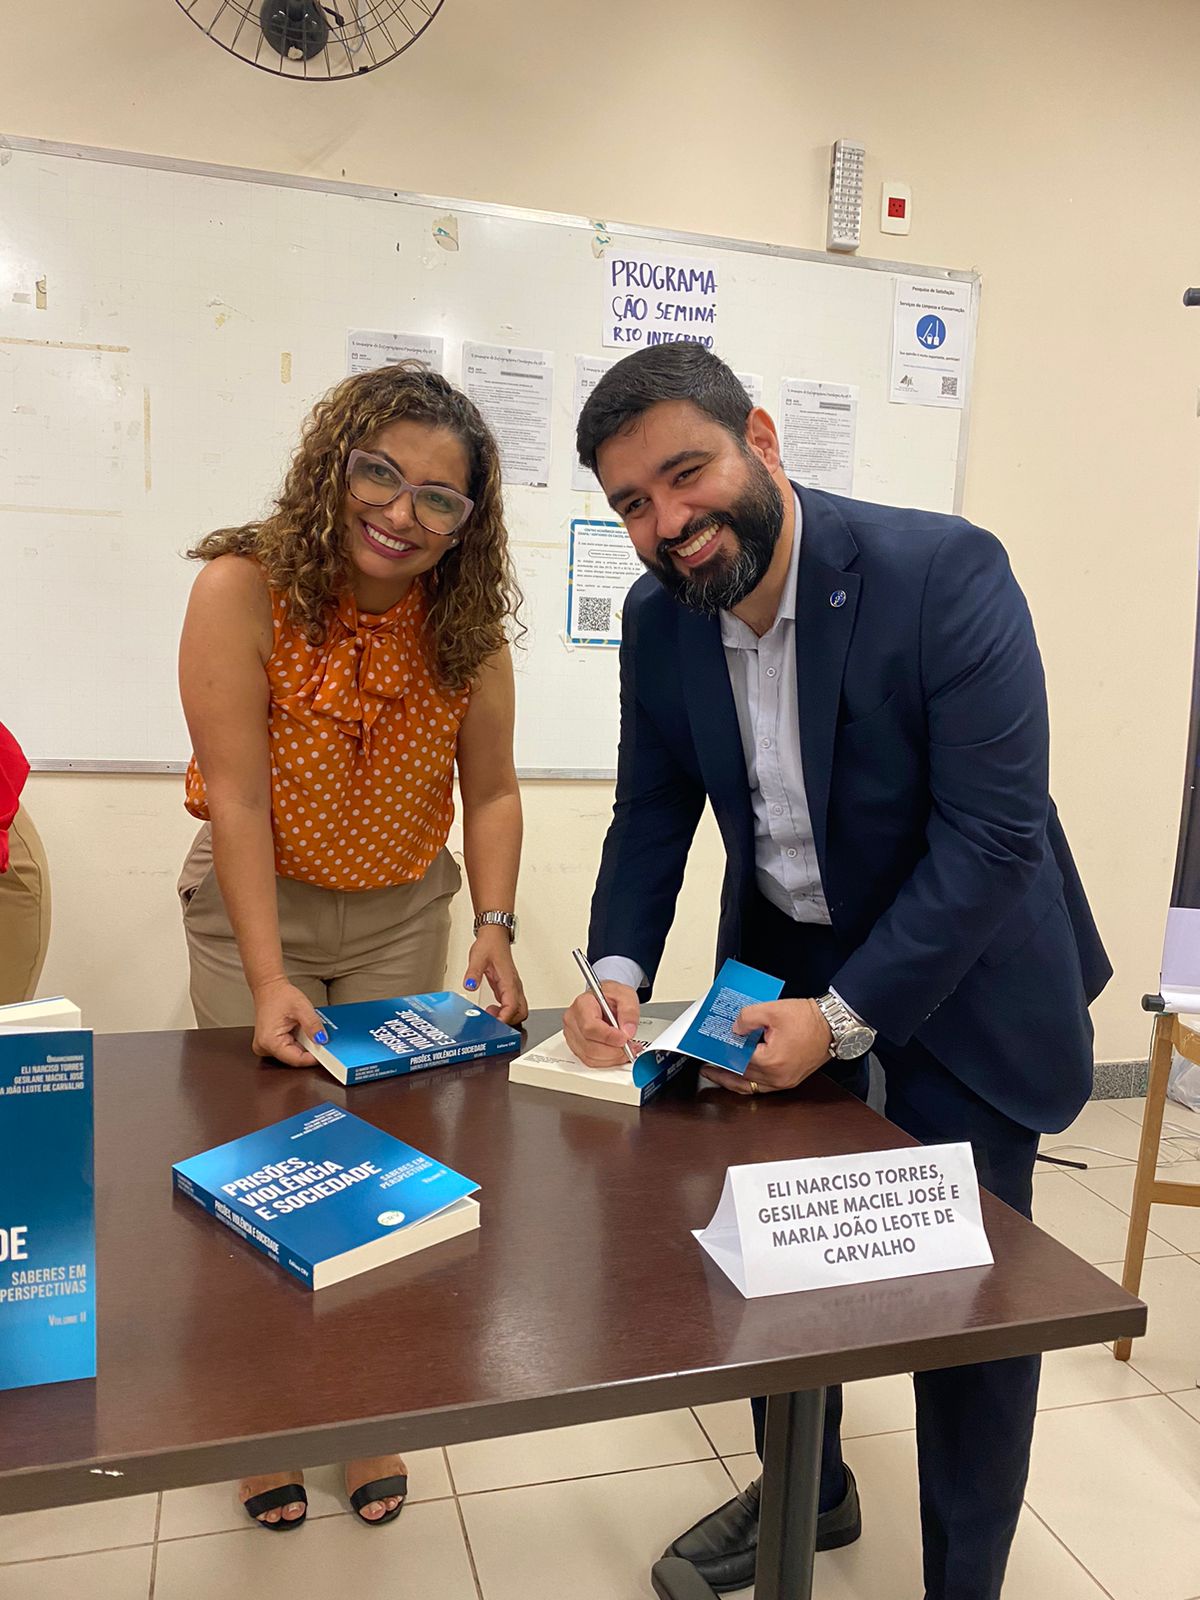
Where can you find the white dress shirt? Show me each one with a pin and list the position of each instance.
(762, 675)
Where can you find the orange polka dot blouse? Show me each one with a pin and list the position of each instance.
(362, 749)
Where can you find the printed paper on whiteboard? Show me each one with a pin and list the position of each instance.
(929, 342)
(588, 372)
(514, 389)
(602, 566)
(367, 349)
(817, 426)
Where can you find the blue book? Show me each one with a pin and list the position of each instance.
(371, 1039)
(47, 1208)
(325, 1195)
(706, 1032)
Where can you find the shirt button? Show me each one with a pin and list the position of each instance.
(791, 853)
(770, 672)
(778, 810)
(766, 744)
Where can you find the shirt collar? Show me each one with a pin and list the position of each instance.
(736, 634)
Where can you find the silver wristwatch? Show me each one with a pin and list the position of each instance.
(851, 1036)
(502, 919)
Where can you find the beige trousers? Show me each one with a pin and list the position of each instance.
(367, 945)
(24, 912)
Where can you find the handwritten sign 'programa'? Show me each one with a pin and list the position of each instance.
(656, 299)
(781, 1226)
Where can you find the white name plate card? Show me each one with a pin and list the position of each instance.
(781, 1226)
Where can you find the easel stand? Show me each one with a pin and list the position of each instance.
(1170, 1033)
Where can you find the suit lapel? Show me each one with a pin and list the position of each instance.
(826, 604)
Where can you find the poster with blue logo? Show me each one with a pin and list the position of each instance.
(931, 335)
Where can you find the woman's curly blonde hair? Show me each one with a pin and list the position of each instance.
(302, 549)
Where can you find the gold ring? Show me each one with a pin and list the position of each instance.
(753, 1085)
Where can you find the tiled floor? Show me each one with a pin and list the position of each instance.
(1113, 1504)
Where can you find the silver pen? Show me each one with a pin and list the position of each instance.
(593, 984)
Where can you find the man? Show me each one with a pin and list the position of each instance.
(857, 691)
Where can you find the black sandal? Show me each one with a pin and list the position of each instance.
(379, 1489)
(275, 1500)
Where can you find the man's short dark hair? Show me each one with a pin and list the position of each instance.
(682, 371)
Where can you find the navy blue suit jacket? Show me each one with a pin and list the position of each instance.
(925, 746)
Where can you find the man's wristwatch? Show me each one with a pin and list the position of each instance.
(851, 1036)
(503, 919)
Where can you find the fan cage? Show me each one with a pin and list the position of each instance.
(351, 37)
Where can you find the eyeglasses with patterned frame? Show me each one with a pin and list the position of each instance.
(376, 482)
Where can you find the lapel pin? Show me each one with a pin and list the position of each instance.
(837, 598)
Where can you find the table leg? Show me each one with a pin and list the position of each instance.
(787, 1520)
(787, 1527)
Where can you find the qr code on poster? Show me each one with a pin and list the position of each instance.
(594, 614)
(950, 387)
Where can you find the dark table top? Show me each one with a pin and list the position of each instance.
(582, 1296)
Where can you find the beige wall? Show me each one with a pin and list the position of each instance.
(1053, 147)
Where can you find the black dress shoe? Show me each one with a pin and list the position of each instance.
(723, 1546)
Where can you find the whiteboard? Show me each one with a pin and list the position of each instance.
(165, 327)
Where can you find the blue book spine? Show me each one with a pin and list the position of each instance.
(245, 1229)
(672, 1063)
(444, 1056)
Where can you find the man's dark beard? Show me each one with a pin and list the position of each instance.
(755, 518)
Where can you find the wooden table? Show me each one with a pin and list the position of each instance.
(582, 1297)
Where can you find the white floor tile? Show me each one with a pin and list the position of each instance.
(1120, 1486)
(589, 1450)
(886, 1562)
(420, 1554)
(1100, 1125)
(1083, 1221)
(591, 1539)
(1041, 1567)
(1189, 1399)
(878, 1405)
(885, 1405)
(1169, 1352)
(215, 1507)
(71, 1530)
(729, 1426)
(110, 1575)
(1086, 1375)
(1178, 1225)
(873, 1405)
(743, 1469)
(1186, 1120)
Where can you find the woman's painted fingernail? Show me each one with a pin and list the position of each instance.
(470, 984)
(322, 1037)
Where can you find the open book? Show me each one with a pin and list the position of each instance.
(704, 1032)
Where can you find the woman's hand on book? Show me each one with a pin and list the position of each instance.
(491, 958)
(280, 1009)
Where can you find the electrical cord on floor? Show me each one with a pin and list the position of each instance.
(1168, 1155)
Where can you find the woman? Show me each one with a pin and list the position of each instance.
(24, 883)
(339, 659)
